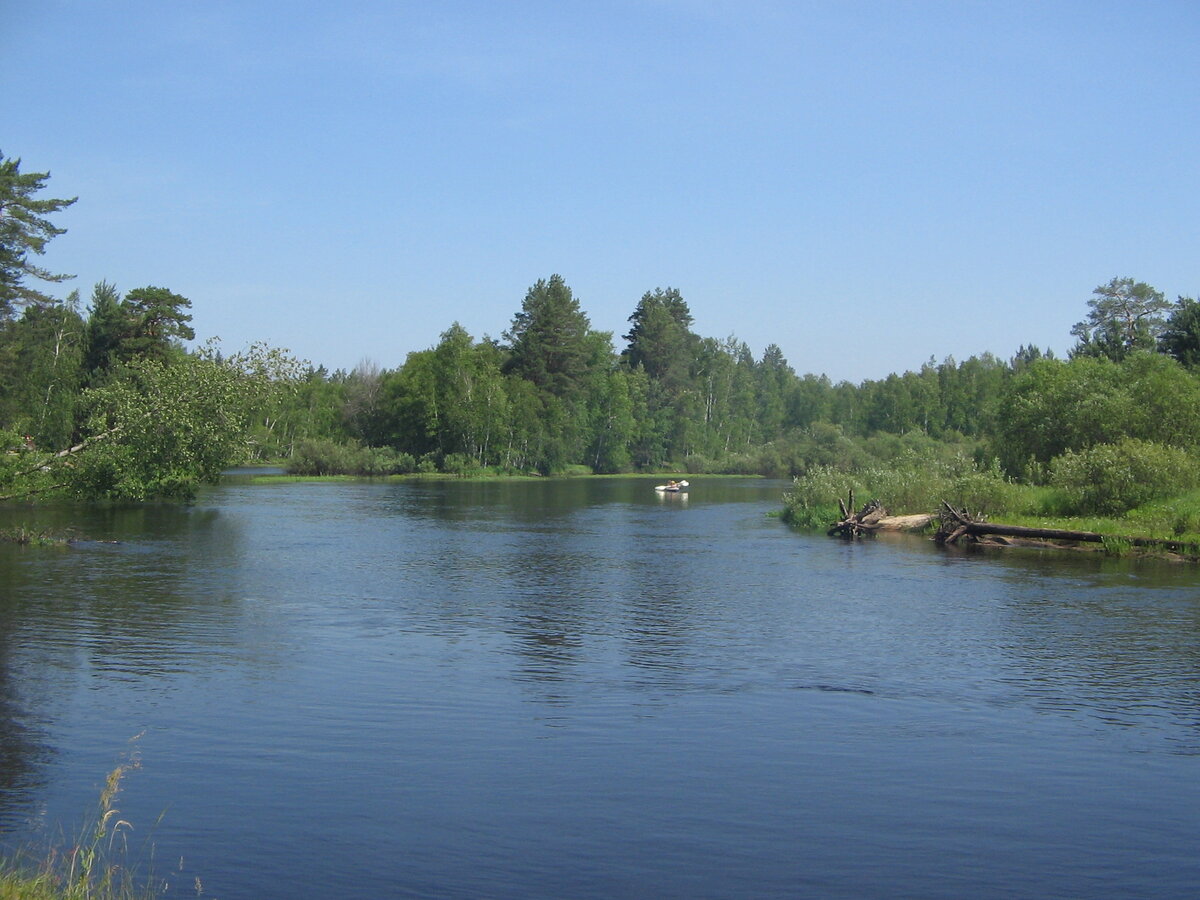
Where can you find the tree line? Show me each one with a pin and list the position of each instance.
(106, 401)
(554, 394)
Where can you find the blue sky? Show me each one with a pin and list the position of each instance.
(865, 184)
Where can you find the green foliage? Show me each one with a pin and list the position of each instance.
(1111, 479)
(459, 464)
(285, 408)
(1180, 339)
(986, 491)
(823, 486)
(548, 338)
(40, 375)
(810, 518)
(116, 408)
(905, 485)
(1177, 515)
(1125, 316)
(24, 231)
(107, 326)
(156, 323)
(660, 339)
(325, 457)
(471, 396)
(160, 430)
(155, 429)
(613, 425)
(673, 396)
(1051, 407)
(1116, 546)
(148, 322)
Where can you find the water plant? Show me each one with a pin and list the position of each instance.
(26, 535)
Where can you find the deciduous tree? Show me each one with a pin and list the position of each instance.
(41, 372)
(154, 430)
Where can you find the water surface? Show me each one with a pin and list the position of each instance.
(585, 689)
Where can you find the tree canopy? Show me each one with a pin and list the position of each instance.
(1124, 315)
(1180, 338)
(25, 229)
(548, 338)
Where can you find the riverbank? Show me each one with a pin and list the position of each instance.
(1043, 536)
(1165, 527)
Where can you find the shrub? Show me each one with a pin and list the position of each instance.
(822, 486)
(387, 461)
(813, 500)
(459, 464)
(320, 457)
(1111, 479)
(323, 457)
(986, 490)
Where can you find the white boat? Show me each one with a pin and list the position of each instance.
(672, 487)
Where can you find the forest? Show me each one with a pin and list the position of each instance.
(112, 399)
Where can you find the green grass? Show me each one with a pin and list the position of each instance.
(304, 479)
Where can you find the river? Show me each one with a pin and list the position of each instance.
(584, 689)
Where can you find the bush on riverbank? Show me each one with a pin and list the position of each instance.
(1112, 479)
(333, 458)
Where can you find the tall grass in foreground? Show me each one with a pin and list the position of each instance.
(96, 866)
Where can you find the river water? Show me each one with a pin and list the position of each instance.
(584, 689)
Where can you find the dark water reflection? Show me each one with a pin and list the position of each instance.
(584, 689)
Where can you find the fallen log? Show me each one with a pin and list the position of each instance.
(958, 523)
(913, 522)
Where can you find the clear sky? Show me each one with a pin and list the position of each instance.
(865, 184)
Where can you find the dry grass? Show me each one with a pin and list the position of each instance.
(96, 866)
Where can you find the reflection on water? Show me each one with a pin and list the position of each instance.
(581, 688)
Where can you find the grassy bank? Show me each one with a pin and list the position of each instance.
(915, 487)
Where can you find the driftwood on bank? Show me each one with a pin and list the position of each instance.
(956, 524)
(873, 518)
(856, 524)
